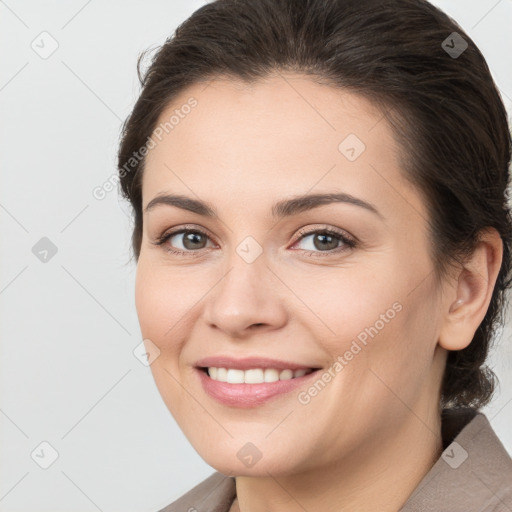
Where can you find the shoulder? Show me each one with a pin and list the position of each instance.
(474, 472)
(214, 494)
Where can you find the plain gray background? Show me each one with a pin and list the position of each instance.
(69, 376)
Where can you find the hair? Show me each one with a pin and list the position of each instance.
(444, 109)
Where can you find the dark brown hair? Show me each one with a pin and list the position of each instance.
(402, 55)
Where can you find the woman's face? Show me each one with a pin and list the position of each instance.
(260, 278)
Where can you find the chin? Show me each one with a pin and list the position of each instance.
(238, 458)
(259, 469)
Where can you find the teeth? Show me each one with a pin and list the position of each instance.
(254, 375)
(286, 374)
(235, 376)
(271, 375)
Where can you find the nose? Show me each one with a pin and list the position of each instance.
(248, 296)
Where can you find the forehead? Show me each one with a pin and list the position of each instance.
(284, 135)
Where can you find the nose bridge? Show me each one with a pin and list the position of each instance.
(246, 282)
(247, 269)
(247, 294)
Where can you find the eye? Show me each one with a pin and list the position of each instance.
(325, 241)
(188, 240)
(319, 242)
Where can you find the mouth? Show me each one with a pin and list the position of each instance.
(251, 387)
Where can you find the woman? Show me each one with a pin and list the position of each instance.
(323, 248)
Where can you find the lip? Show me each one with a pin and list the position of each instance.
(245, 396)
(247, 363)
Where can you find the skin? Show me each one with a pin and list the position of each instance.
(366, 440)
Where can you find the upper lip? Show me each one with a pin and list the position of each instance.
(247, 363)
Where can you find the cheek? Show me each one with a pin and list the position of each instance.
(345, 303)
(162, 307)
(162, 301)
(378, 319)
(401, 354)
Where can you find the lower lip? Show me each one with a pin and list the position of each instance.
(249, 395)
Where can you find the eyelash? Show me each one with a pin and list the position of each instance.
(349, 242)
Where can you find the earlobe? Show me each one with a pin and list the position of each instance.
(467, 305)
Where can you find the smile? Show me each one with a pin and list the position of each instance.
(252, 387)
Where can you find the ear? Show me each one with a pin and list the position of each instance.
(468, 301)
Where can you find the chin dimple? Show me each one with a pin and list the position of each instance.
(254, 375)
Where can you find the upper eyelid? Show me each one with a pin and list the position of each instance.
(337, 231)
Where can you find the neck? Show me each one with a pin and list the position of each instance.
(378, 477)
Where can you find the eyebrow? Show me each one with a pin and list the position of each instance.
(281, 209)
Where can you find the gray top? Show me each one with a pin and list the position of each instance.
(473, 474)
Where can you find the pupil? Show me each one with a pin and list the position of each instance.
(192, 239)
(326, 239)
